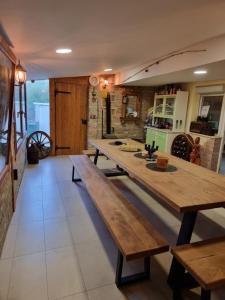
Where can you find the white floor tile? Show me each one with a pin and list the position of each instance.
(80, 296)
(29, 195)
(28, 280)
(63, 273)
(96, 267)
(109, 292)
(30, 238)
(31, 212)
(57, 215)
(87, 227)
(57, 234)
(53, 208)
(68, 189)
(51, 192)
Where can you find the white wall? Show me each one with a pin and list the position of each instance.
(215, 51)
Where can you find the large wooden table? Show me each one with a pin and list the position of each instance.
(188, 190)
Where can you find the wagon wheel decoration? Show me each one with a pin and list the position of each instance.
(42, 141)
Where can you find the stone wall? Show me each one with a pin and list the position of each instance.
(6, 191)
(129, 129)
(210, 151)
(6, 205)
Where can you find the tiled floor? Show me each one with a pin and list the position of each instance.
(58, 248)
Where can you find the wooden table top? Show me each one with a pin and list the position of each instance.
(190, 188)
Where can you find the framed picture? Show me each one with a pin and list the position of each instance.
(7, 69)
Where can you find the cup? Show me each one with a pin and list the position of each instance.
(162, 162)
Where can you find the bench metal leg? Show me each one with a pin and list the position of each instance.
(205, 294)
(96, 156)
(115, 172)
(74, 179)
(177, 271)
(177, 295)
(131, 278)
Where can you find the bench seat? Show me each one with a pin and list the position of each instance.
(89, 152)
(132, 233)
(205, 261)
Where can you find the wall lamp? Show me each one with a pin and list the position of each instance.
(20, 73)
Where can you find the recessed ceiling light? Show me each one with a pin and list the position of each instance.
(200, 72)
(63, 51)
(108, 70)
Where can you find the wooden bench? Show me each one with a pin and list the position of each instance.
(134, 236)
(89, 152)
(205, 262)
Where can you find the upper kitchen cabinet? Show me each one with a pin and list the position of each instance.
(170, 111)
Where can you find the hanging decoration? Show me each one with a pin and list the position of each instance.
(94, 82)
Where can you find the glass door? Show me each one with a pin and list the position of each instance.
(169, 106)
(159, 106)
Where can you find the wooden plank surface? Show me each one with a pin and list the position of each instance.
(205, 261)
(133, 234)
(190, 188)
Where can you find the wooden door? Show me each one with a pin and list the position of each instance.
(70, 115)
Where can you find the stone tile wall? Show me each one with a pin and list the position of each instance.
(210, 153)
(6, 192)
(6, 206)
(129, 129)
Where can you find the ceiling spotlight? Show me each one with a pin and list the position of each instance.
(108, 70)
(200, 72)
(63, 51)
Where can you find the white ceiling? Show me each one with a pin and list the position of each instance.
(117, 33)
(215, 71)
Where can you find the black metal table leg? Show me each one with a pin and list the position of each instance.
(177, 271)
(205, 294)
(130, 278)
(96, 156)
(74, 179)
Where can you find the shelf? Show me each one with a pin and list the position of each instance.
(169, 131)
(163, 116)
(166, 96)
(129, 119)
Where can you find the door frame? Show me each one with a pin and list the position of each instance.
(82, 80)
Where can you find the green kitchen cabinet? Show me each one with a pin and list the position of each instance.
(162, 138)
(150, 137)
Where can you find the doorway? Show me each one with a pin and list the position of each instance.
(38, 106)
(68, 114)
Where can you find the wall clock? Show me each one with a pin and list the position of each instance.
(94, 80)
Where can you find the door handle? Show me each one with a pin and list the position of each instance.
(83, 121)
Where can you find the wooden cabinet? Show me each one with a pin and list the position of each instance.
(171, 109)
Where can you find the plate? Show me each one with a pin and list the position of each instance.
(153, 167)
(129, 148)
(139, 155)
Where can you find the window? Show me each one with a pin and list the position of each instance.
(20, 113)
(38, 106)
(210, 108)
